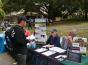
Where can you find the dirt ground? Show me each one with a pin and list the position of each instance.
(5, 59)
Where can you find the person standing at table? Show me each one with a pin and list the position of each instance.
(54, 39)
(19, 41)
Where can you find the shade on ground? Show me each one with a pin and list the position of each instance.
(5, 59)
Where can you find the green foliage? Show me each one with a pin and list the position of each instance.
(2, 13)
(16, 5)
(55, 7)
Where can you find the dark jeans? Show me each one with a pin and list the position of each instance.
(21, 59)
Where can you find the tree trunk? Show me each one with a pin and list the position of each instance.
(85, 15)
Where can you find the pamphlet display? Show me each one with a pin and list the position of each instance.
(79, 45)
(40, 30)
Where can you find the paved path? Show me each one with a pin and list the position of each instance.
(5, 59)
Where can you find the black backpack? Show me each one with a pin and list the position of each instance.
(9, 44)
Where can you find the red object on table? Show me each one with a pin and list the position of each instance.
(27, 33)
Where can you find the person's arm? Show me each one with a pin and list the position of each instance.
(58, 42)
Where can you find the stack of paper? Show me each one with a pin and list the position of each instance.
(85, 40)
(76, 51)
(75, 44)
(75, 38)
(31, 37)
(83, 49)
(41, 50)
(61, 56)
(57, 49)
(48, 53)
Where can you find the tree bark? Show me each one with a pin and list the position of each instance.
(85, 15)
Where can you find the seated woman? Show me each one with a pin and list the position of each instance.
(54, 39)
(73, 33)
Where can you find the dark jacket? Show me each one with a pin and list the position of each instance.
(18, 39)
(54, 41)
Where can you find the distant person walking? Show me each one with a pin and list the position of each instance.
(54, 39)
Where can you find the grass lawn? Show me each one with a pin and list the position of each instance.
(64, 28)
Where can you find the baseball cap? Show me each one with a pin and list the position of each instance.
(22, 18)
(54, 30)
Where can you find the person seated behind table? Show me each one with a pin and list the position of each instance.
(70, 37)
(54, 39)
(73, 33)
